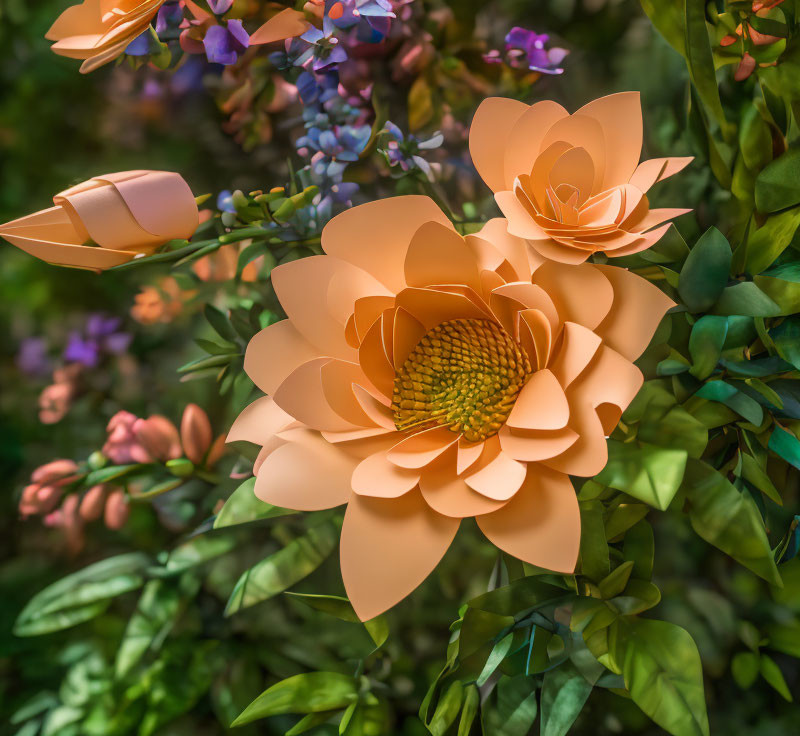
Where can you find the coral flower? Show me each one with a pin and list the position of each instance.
(98, 31)
(422, 377)
(108, 220)
(572, 185)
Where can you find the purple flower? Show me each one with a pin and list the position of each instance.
(220, 7)
(327, 49)
(334, 148)
(526, 49)
(99, 337)
(140, 46)
(223, 44)
(370, 18)
(296, 52)
(169, 18)
(403, 151)
(32, 357)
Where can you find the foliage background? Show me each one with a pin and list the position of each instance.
(57, 127)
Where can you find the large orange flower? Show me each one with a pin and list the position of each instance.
(98, 31)
(423, 377)
(572, 185)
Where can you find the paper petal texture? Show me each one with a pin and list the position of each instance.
(572, 185)
(108, 220)
(98, 31)
(423, 377)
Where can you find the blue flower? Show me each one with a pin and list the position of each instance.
(403, 151)
(370, 18)
(225, 201)
(327, 49)
(223, 44)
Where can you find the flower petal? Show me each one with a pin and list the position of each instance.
(439, 255)
(422, 448)
(578, 347)
(488, 136)
(496, 476)
(657, 169)
(274, 353)
(525, 140)
(541, 404)
(258, 422)
(536, 445)
(306, 474)
(541, 525)
(581, 293)
(376, 476)
(388, 547)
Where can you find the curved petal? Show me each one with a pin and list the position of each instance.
(306, 474)
(582, 131)
(439, 255)
(541, 525)
(431, 307)
(588, 455)
(541, 404)
(578, 347)
(422, 448)
(515, 250)
(274, 353)
(259, 421)
(555, 251)
(496, 475)
(319, 295)
(375, 236)
(488, 135)
(581, 293)
(286, 24)
(376, 476)
(536, 445)
(388, 547)
(620, 116)
(637, 310)
(524, 141)
(657, 169)
(520, 222)
(374, 360)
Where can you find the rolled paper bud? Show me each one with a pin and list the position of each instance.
(54, 472)
(92, 503)
(108, 220)
(159, 436)
(98, 31)
(196, 433)
(117, 510)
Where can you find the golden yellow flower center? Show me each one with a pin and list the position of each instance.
(464, 374)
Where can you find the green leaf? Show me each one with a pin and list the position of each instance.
(564, 693)
(786, 337)
(744, 668)
(663, 673)
(284, 568)
(746, 299)
(705, 273)
(594, 547)
(335, 605)
(778, 185)
(639, 548)
(770, 240)
(496, 656)
(772, 674)
(753, 473)
(82, 595)
(651, 474)
(785, 637)
(701, 60)
(512, 708)
(614, 583)
(728, 519)
(104, 475)
(198, 550)
(220, 323)
(705, 344)
(472, 700)
(243, 506)
(755, 140)
(782, 285)
(727, 394)
(786, 445)
(313, 692)
(447, 709)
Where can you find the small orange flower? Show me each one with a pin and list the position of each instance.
(422, 377)
(98, 31)
(108, 220)
(572, 185)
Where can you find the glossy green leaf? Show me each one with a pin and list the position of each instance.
(705, 344)
(728, 519)
(755, 140)
(243, 506)
(773, 675)
(312, 692)
(512, 708)
(766, 243)
(726, 393)
(663, 673)
(284, 568)
(705, 273)
(496, 657)
(198, 550)
(746, 299)
(651, 474)
(564, 693)
(639, 548)
(469, 711)
(778, 185)
(744, 668)
(594, 562)
(447, 709)
(701, 60)
(786, 445)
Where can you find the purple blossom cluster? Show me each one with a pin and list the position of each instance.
(529, 50)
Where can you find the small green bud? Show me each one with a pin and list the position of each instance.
(97, 460)
(180, 467)
(286, 210)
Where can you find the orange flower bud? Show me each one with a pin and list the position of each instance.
(217, 450)
(92, 503)
(159, 436)
(196, 433)
(117, 510)
(56, 471)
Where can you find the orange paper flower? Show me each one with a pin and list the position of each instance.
(423, 377)
(125, 214)
(98, 31)
(572, 185)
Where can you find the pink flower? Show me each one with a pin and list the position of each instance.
(117, 510)
(159, 437)
(92, 503)
(122, 445)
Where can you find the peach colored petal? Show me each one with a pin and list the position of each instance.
(536, 445)
(535, 336)
(318, 295)
(608, 385)
(506, 301)
(467, 455)
(575, 168)
(305, 474)
(541, 525)
(586, 132)
(536, 183)
(376, 407)
(407, 333)
(520, 222)
(388, 547)
(438, 255)
(580, 293)
(488, 133)
(259, 421)
(541, 404)
(555, 251)
(374, 362)
(422, 448)
(496, 475)
(589, 454)
(637, 310)
(525, 139)
(85, 18)
(656, 217)
(657, 169)
(274, 353)
(339, 379)
(354, 435)
(431, 307)
(620, 116)
(520, 257)
(302, 396)
(376, 236)
(286, 24)
(376, 476)
(366, 310)
(578, 347)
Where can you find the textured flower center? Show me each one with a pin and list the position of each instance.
(464, 374)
